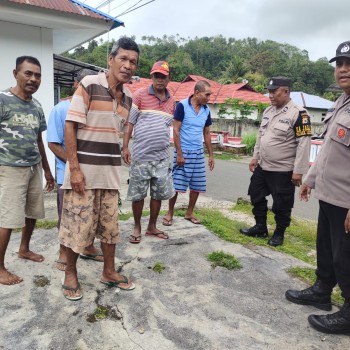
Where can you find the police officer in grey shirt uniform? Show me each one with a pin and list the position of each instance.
(280, 158)
(329, 176)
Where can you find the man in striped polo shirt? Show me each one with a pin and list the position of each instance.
(150, 118)
(191, 123)
(96, 116)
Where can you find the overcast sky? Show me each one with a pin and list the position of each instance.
(317, 26)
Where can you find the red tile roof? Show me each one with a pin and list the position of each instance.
(220, 92)
(62, 6)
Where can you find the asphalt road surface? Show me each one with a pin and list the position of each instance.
(230, 180)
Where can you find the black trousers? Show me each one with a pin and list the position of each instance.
(279, 185)
(333, 248)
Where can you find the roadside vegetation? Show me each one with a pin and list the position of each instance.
(300, 239)
(225, 260)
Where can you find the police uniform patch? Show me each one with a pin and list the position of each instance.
(302, 126)
(285, 109)
(341, 133)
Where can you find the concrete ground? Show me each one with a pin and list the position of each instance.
(189, 305)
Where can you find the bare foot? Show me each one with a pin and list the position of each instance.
(31, 256)
(115, 277)
(193, 219)
(9, 278)
(61, 265)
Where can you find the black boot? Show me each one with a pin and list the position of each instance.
(277, 238)
(258, 230)
(337, 323)
(318, 295)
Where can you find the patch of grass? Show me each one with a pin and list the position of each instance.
(300, 237)
(101, 313)
(158, 267)
(126, 216)
(224, 260)
(46, 224)
(226, 156)
(308, 275)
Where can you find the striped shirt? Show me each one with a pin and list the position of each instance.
(152, 119)
(100, 120)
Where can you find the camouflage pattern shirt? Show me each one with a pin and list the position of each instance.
(20, 123)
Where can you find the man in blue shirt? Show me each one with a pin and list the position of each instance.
(192, 122)
(55, 139)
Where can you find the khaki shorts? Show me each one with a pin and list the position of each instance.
(21, 195)
(154, 173)
(93, 215)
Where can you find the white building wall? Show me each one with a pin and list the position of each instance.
(18, 40)
(214, 110)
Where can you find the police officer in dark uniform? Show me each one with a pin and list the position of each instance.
(330, 177)
(280, 158)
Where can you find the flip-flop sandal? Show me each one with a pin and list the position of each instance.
(193, 220)
(78, 297)
(91, 257)
(117, 283)
(157, 235)
(167, 222)
(134, 239)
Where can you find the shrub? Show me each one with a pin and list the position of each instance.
(249, 141)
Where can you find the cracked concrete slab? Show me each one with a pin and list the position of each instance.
(189, 305)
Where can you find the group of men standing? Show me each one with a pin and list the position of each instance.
(90, 152)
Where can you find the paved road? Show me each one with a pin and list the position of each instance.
(230, 180)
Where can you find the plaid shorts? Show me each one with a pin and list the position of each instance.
(154, 173)
(89, 216)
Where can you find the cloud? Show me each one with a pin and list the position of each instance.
(312, 25)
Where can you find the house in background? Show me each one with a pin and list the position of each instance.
(220, 93)
(316, 106)
(42, 28)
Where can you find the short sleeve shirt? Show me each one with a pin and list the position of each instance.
(20, 124)
(55, 133)
(191, 132)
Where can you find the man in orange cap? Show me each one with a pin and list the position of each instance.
(150, 119)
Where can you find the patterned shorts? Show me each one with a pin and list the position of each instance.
(154, 173)
(192, 174)
(95, 214)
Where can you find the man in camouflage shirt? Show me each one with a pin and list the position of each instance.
(22, 158)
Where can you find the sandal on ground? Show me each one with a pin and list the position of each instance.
(78, 297)
(92, 257)
(125, 280)
(194, 221)
(160, 235)
(167, 222)
(134, 239)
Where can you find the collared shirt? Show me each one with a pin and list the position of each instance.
(152, 118)
(330, 174)
(283, 141)
(193, 124)
(100, 120)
